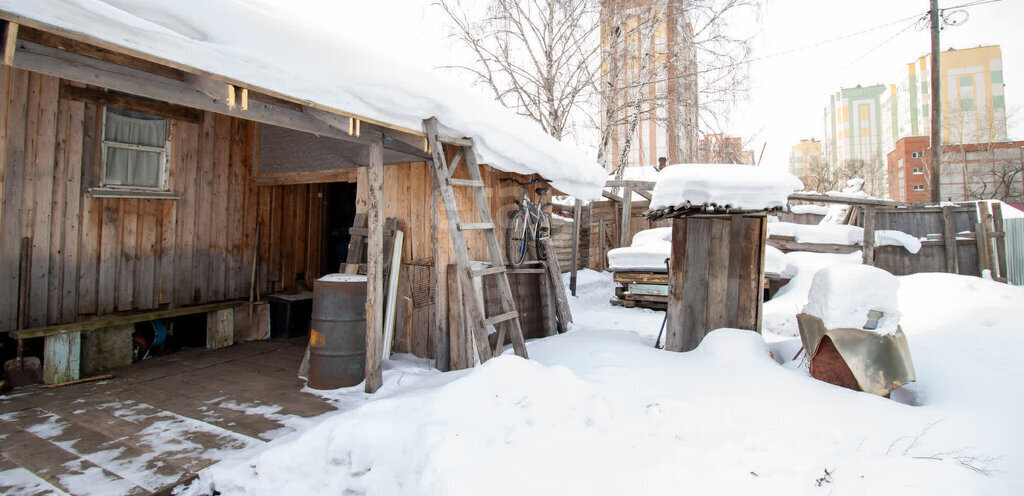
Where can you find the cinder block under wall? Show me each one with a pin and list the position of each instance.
(104, 349)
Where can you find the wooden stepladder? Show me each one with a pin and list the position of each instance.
(476, 319)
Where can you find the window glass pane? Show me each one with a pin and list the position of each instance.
(132, 168)
(136, 128)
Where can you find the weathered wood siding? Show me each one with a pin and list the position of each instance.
(407, 197)
(716, 277)
(94, 255)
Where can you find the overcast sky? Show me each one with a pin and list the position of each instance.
(788, 92)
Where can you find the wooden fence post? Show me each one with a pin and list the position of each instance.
(869, 236)
(577, 214)
(627, 212)
(999, 233)
(949, 238)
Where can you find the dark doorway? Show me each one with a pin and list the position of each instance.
(341, 211)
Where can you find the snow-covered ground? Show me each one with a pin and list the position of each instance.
(598, 410)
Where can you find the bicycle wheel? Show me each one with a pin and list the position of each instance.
(515, 239)
(543, 231)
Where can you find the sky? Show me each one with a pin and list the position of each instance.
(803, 51)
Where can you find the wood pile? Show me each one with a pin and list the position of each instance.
(641, 289)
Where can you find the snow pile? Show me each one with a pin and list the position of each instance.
(779, 313)
(841, 234)
(736, 186)
(842, 295)
(648, 251)
(598, 411)
(343, 278)
(888, 237)
(836, 214)
(276, 51)
(809, 209)
(774, 261)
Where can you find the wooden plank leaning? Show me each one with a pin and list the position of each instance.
(557, 287)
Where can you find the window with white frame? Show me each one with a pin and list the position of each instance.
(915, 154)
(917, 170)
(918, 187)
(134, 150)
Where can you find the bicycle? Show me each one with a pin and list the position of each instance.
(530, 221)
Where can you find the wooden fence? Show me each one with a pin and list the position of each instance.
(962, 239)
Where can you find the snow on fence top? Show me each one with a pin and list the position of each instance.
(726, 187)
(264, 50)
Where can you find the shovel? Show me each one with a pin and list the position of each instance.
(23, 371)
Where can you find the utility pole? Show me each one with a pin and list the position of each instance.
(936, 90)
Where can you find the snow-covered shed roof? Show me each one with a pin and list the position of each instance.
(722, 186)
(279, 56)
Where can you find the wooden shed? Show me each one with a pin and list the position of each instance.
(137, 187)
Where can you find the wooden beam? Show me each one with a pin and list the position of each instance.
(627, 213)
(374, 267)
(334, 176)
(611, 196)
(53, 62)
(788, 244)
(10, 39)
(629, 183)
(129, 102)
(92, 51)
(846, 200)
(122, 319)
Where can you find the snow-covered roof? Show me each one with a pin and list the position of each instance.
(739, 187)
(266, 51)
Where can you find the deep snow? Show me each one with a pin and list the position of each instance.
(598, 410)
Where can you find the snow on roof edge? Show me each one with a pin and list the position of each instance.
(191, 34)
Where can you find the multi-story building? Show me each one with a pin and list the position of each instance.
(980, 171)
(853, 135)
(908, 170)
(973, 104)
(649, 102)
(805, 158)
(720, 149)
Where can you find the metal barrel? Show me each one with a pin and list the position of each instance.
(337, 338)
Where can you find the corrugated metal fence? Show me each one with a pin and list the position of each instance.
(1015, 250)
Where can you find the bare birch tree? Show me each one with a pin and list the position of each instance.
(538, 57)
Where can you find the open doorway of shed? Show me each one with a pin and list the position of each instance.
(340, 214)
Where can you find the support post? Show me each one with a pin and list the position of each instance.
(869, 236)
(374, 266)
(577, 213)
(935, 156)
(627, 211)
(999, 234)
(949, 238)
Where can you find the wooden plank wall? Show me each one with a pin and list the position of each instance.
(407, 196)
(94, 255)
(717, 273)
(609, 212)
(920, 222)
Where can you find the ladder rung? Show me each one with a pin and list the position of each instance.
(500, 318)
(490, 270)
(465, 182)
(469, 226)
